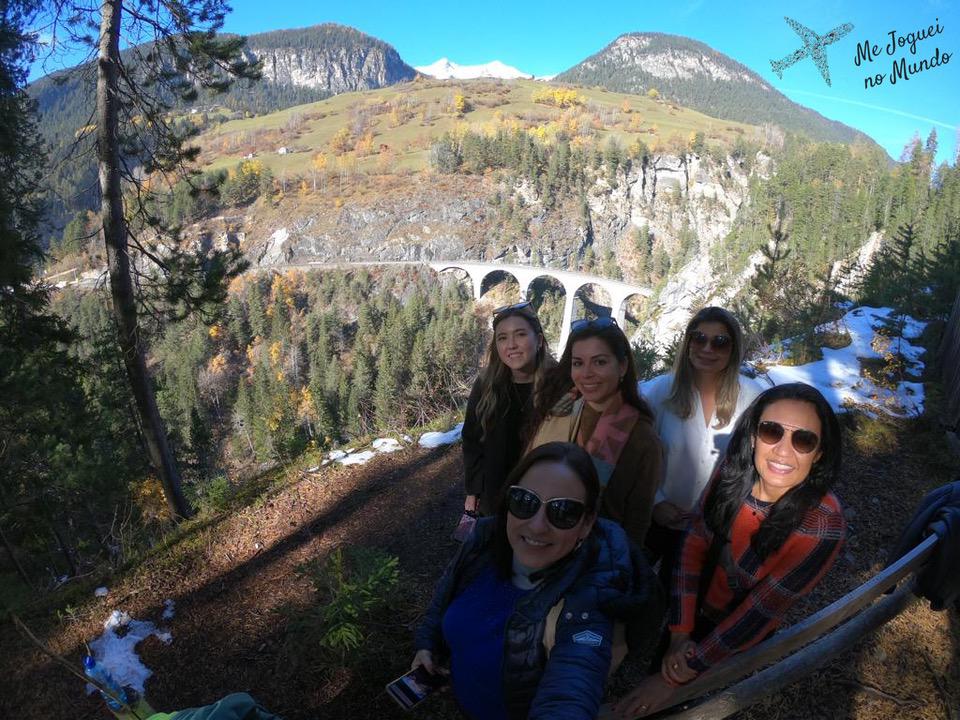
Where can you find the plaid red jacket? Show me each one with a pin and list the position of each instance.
(751, 596)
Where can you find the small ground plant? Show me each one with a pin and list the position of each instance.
(352, 586)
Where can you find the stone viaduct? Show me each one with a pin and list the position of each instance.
(617, 291)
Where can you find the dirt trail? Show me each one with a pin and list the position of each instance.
(235, 584)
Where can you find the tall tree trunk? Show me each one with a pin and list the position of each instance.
(63, 547)
(13, 558)
(118, 259)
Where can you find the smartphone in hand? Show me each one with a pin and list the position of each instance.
(410, 689)
(467, 522)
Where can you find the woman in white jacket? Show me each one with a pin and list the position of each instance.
(696, 407)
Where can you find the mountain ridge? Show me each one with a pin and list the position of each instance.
(691, 73)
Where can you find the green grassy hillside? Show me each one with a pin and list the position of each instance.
(402, 122)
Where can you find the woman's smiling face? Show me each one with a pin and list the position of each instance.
(596, 371)
(780, 465)
(707, 358)
(536, 542)
(517, 344)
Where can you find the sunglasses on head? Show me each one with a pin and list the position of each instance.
(516, 307)
(718, 342)
(563, 513)
(599, 323)
(803, 441)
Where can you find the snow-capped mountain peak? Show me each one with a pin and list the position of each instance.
(444, 69)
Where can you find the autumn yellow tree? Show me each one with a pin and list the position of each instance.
(558, 97)
(320, 163)
(342, 141)
(364, 144)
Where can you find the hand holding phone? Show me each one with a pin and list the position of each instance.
(467, 522)
(410, 689)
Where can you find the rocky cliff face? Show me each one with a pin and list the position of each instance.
(454, 220)
(668, 194)
(336, 70)
(328, 57)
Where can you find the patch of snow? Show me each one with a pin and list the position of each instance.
(117, 619)
(436, 439)
(350, 456)
(168, 609)
(357, 458)
(101, 592)
(386, 445)
(444, 69)
(116, 652)
(838, 376)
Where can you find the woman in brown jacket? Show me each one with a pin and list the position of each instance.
(608, 419)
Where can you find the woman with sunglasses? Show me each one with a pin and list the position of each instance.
(525, 611)
(501, 403)
(609, 419)
(768, 530)
(696, 407)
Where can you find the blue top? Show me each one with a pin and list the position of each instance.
(473, 628)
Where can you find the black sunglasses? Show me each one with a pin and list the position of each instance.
(563, 513)
(803, 441)
(719, 342)
(599, 323)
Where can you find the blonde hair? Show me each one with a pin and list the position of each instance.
(680, 399)
(496, 379)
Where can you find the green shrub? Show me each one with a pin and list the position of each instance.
(877, 435)
(352, 585)
(646, 359)
(217, 494)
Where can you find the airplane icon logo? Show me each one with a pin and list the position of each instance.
(813, 47)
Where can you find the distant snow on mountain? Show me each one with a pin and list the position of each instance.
(444, 69)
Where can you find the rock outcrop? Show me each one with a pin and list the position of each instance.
(328, 57)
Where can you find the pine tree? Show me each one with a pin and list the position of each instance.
(132, 103)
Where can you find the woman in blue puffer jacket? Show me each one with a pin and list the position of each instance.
(525, 612)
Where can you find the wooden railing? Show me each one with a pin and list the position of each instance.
(814, 633)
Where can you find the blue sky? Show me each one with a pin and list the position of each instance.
(548, 37)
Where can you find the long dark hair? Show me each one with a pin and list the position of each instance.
(565, 453)
(558, 379)
(496, 381)
(738, 474)
(680, 400)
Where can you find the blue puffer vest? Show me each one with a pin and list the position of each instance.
(605, 579)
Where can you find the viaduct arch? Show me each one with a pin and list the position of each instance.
(571, 281)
